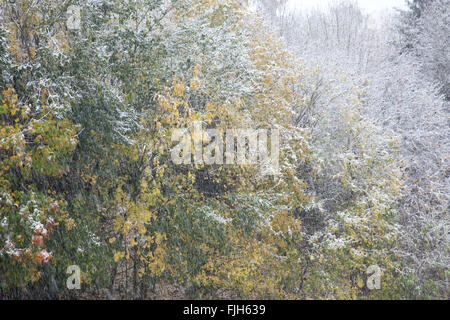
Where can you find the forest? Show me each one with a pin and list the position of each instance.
(97, 200)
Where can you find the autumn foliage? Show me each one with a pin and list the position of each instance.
(87, 179)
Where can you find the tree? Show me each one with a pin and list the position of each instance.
(89, 120)
(424, 29)
(395, 96)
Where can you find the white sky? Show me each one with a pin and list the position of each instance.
(370, 6)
